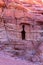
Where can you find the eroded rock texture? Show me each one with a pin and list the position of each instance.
(12, 18)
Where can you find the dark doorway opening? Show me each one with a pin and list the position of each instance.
(23, 32)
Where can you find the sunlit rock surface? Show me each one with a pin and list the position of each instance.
(13, 15)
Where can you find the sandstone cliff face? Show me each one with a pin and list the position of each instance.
(12, 18)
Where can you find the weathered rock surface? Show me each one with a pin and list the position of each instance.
(11, 21)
